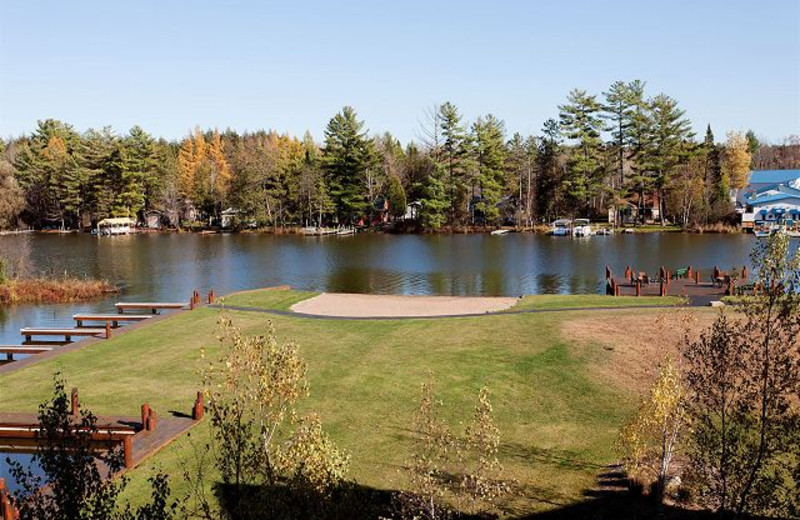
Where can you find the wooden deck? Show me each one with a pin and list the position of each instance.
(153, 306)
(10, 350)
(699, 288)
(13, 436)
(113, 319)
(29, 332)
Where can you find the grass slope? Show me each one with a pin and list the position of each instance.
(558, 423)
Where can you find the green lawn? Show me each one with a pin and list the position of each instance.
(562, 301)
(558, 424)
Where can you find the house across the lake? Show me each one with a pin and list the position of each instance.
(772, 197)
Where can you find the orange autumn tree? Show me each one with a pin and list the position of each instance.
(204, 173)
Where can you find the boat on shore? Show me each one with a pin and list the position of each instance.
(499, 232)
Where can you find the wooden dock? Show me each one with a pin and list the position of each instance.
(17, 433)
(47, 348)
(154, 307)
(698, 287)
(67, 334)
(10, 350)
(113, 319)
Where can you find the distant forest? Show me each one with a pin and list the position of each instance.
(621, 152)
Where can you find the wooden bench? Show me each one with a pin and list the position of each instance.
(29, 332)
(153, 306)
(114, 319)
(10, 350)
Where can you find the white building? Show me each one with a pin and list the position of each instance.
(768, 203)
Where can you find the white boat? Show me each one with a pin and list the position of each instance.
(115, 226)
(498, 232)
(346, 231)
(604, 231)
(581, 227)
(562, 227)
(315, 231)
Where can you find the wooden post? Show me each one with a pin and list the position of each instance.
(127, 449)
(689, 272)
(638, 287)
(198, 410)
(6, 507)
(663, 289)
(729, 291)
(108, 329)
(151, 420)
(697, 277)
(608, 272)
(73, 403)
(744, 273)
(616, 290)
(191, 304)
(628, 274)
(145, 415)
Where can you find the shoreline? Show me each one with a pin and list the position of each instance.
(469, 230)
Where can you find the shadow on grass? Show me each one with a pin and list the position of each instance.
(610, 499)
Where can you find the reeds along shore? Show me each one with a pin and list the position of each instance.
(53, 290)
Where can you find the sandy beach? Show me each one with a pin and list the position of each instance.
(383, 306)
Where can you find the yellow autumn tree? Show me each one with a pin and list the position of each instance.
(736, 160)
(648, 442)
(205, 175)
(221, 172)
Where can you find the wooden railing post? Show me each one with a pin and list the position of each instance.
(73, 403)
(697, 277)
(198, 410)
(638, 287)
(127, 449)
(145, 415)
(108, 329)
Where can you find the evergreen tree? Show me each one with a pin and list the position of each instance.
(521, 166)
(346, 157)
(453, 158)
(490, 156)
(396, 196)
(671, 144)
(550, 173)
(580, 121)
(622, 100)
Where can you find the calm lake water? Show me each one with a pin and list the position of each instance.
(169, 267)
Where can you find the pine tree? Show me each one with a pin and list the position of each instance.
(396, 196)
(346, 157)
(490, 156)
(550, 173)
(521, 166)
(137, 168)
(671, 144)
(580, 121)
(453, 158)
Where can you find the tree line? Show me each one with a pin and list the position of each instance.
(621, 150)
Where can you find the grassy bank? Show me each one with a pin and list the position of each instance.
(53, 290)
(562, 384)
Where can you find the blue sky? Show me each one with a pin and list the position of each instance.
(171, 65)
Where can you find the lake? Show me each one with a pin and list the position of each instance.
(168, 267)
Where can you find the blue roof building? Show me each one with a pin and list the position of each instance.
(772, 197)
